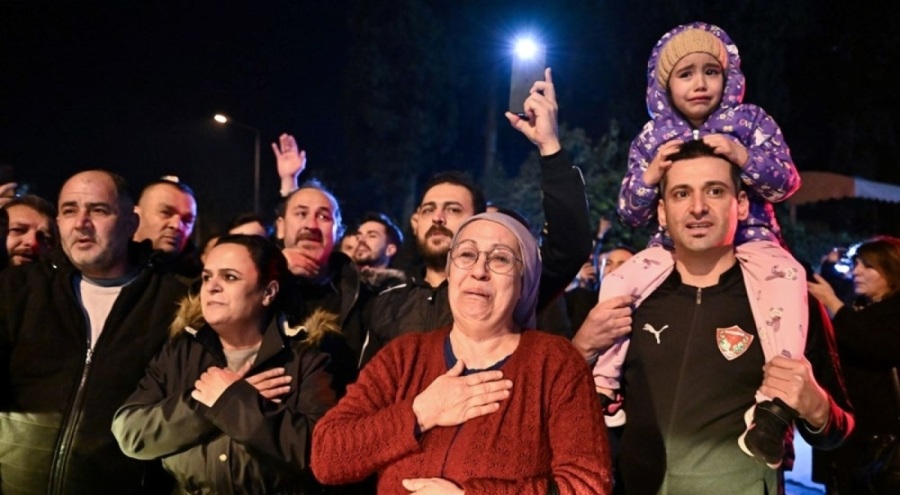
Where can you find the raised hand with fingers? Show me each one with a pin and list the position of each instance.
(661, 162)
(824, 292)
(452, 399)
(291, 162)
(727, 147)
(541, 126)
(7, 192)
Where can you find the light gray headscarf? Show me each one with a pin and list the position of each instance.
(531, 261)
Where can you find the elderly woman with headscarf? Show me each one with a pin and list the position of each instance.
(487, 406)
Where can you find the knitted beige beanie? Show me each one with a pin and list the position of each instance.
(684, 43)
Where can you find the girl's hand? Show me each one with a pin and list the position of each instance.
(728, 147)
(661, 162)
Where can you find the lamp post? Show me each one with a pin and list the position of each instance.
(223, 119)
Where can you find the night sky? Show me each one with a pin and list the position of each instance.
(131, 86)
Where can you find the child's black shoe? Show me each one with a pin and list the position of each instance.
(766, 431)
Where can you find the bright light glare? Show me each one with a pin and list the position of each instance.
(526, 48)
(220, 118)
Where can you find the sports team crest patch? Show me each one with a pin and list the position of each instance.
(733, 342)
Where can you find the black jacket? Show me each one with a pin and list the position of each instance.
(57, 398)
(868, 342)
(344, 294)
(243, 443)
(685, 401)
(418, 307)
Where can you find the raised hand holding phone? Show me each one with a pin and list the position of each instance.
(540, 126)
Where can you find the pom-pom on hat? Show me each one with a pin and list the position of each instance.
(684, 43)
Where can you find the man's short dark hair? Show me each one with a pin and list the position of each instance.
(392, 232)
(123, 190)
(479, 202)
(168, 181)
(36, 203)
(249, 217)
(696, 148)
(44, 209)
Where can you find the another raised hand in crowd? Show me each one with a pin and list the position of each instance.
(291, 162)
(7, 192)
(450, 198)
(310, 224)
(540, 126)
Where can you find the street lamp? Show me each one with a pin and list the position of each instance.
(223, 119)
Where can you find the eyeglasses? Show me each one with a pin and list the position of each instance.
(500, 260)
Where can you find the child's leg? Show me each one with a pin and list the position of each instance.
(638, 277)
(608, 368)
(776, 286)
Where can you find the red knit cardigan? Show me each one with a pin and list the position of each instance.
(551, 426)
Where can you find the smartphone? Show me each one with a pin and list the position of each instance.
(526, 70)
(810, 272)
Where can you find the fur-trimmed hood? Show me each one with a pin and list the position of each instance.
(189, 318)
(381, 278)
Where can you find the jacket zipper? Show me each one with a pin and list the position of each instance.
(433, 309)
(699, 300)
(67, 432)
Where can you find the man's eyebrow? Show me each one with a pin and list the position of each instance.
(452, 202)
(716, 183)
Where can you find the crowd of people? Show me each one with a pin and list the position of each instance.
(467, 356)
